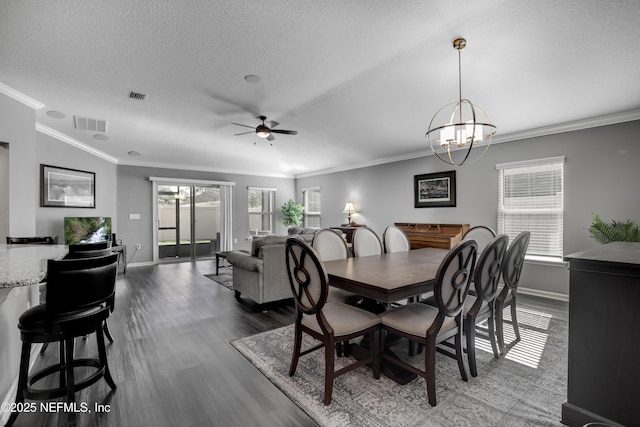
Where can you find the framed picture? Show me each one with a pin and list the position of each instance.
(435, 190)
(67, 188)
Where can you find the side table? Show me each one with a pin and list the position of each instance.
(122, 253)
(223, 255)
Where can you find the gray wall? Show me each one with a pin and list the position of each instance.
(4, 190)
(50, 151)
(601, 176)
(17, 129)
(134, 197)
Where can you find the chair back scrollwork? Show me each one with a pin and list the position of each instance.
(489, 268)
(514, 260)
(482, 234)
(307, 276)
(453, 278)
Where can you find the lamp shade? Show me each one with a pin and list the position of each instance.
(348, 208)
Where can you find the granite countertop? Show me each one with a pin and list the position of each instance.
(615, 252)
(23, 265)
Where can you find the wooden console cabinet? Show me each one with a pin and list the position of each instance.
(604, 336)
(443, 236)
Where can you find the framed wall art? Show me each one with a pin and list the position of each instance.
(66, 188)
(435, 190)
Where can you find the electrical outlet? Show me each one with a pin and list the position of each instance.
(138, 245)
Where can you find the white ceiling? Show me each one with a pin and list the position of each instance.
(358, 79)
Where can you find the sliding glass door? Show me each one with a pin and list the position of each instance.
(188, 225)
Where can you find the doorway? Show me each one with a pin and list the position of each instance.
(188, 221)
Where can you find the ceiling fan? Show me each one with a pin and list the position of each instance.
(265, 130)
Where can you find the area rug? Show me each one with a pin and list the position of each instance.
(224, 277)
(524, 388)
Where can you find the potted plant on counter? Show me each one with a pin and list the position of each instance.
(614, 231)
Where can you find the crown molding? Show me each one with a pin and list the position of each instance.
(20, 97)
(74, 142)
(610, 119)
(143, 164)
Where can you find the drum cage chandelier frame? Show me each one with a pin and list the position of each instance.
(466, 126)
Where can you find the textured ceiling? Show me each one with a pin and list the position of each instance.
(359, 80)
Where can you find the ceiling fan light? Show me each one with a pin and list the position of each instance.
(263, 133)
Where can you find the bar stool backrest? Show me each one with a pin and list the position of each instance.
(45, 240)
(79, 284)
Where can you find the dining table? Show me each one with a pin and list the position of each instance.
(387, 278)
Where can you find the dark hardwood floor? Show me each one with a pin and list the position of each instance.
(172, 361)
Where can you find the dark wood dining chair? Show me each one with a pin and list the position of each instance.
(331, 246)
(76, 306)
(508, 295)
(428, 325)
(480, 306)
(366, 242)
(481, 234)
(328, 322)
(394, 239)
(45, 240)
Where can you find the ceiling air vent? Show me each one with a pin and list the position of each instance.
(92, 125)
(136, 95)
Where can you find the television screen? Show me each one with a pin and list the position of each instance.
(86, 229)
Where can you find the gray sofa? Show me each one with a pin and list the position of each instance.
(261, 274)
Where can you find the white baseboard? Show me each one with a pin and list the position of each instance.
(141, 264)
(544, 294)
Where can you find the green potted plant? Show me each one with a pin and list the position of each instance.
(614, 231)
(292, 213)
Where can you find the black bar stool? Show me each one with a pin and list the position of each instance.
(78, 292)
(47, 240)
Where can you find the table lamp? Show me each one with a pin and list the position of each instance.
(348, 209)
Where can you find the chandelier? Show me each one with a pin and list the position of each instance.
(461, 131)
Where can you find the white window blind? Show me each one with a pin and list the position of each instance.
(530, 198)
(261, 210)
(311, 203)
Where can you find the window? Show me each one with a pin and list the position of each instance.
(530, 198)
(311, 197)
(261, 210)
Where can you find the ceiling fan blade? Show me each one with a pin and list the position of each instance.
(243, 133)
(271, 137)
(286, 132)
(247, 126)
(272, 124)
